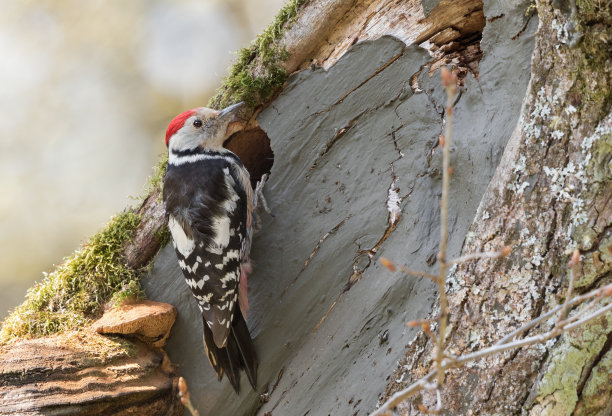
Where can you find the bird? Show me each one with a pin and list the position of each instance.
(209, 204)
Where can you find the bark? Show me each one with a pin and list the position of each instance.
(551, 193)
(83, 373)
(149, 236)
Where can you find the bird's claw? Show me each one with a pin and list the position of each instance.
(260, 200)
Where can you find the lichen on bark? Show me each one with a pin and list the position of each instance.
(551, 194)
(570, 362)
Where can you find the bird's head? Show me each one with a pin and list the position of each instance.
(204, 127)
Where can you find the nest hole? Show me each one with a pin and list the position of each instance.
(252, 146)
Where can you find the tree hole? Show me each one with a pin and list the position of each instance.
(252, 146)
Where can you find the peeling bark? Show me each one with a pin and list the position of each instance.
(449, 31)
(86, 374)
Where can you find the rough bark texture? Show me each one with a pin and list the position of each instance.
(551, 193)
(83, 373)
(148, 237)
(57, 376)
(451, 31)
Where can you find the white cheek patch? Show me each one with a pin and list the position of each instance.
(183, 244)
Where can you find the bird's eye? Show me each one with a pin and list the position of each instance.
(197, 123)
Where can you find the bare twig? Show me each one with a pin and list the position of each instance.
(434, 380)
(482, 255)
(589, 317)
(581, 312)
(573, 265)
(186, 397)
(419, 274)
(449, 80)
(393, 267)
(425, 326)
(438, 401)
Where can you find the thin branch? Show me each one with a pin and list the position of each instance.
(393, 267)
(443, 362)
(587, 318)
(438, 401)
(482, 255)
(418, 273)
(570, 289)
(185, 397)
(596, 294)
(449, 80)
(527, 326)
(581, 312)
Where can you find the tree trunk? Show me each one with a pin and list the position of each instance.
(351, 143)
(550, 194)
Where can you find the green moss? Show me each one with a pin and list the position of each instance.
(594, 23)
(157, 179)
(130, 292)
(594, 10)
(71, 295)
(163, 236)
(602, 163)
(557, 390)
(531, 9)
(75, 291)
(267, 54)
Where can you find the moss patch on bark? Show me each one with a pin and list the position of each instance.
(71, 295)
(258, 72)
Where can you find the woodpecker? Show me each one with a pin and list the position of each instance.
(209, 202)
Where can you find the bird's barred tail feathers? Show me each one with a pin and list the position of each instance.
(238, 353)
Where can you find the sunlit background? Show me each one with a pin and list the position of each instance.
(87, 88)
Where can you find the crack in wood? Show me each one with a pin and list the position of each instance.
(330, 143)
(342, 131)
(392, 224)
(520, 32)
(315, 251)
(362, 83)
(589, 369)
(494, 18)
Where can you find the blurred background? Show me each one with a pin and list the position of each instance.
(87, 88)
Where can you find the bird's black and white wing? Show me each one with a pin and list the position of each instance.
(208, 223)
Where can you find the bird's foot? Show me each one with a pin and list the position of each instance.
(260, 200)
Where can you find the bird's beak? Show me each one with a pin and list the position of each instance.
(235, 117)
